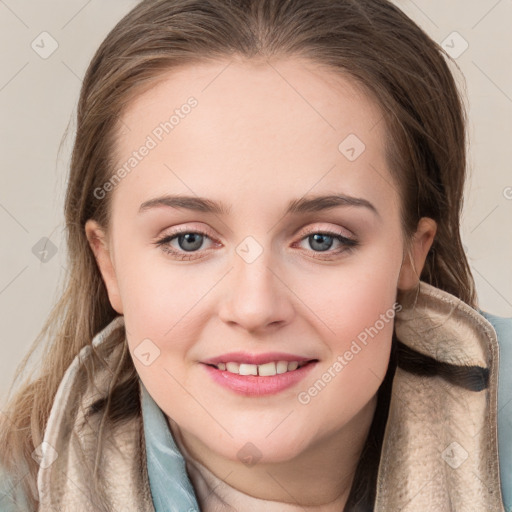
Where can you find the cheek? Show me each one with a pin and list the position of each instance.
(351, 297)
(357, 312)
(160, 313)
(358, 359)
(159, 297)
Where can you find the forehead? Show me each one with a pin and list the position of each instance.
(286, 125)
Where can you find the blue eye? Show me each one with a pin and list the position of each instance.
(188, 242)
(322, 241)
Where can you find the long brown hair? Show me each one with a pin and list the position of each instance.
(371, 41)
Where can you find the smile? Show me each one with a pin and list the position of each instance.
(257, 380)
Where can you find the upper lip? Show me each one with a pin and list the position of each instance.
(246, 357)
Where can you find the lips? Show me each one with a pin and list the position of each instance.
(258, 385)
(258, 374)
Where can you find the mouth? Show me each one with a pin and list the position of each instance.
(253, 380)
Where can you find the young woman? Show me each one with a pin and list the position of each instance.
(269, 306)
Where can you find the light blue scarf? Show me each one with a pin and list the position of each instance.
(503, 328)
(170, 485)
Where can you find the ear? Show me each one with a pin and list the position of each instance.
(414, 260)
(104, 258)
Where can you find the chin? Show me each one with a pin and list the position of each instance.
(259, 447)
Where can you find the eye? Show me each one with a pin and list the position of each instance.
(188, 241)
(322, 241)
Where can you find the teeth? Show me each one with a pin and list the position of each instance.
(282, 366)
(233, 367)
(267, 369)
(263, 370)
(248, 369)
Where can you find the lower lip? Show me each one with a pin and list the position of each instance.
(254, 385)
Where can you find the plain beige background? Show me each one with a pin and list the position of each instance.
(38, 96)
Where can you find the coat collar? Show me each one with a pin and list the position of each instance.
(440, 444)
(439, 450)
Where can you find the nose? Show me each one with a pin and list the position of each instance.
(258, 298)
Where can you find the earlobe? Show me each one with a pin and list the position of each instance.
(104, 259)
(414, 261)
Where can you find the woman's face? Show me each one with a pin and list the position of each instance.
(266, 272)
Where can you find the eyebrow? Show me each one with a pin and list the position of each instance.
(295, 207)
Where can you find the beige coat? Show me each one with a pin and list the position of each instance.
(440, 445)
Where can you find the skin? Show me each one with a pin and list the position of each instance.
(257, 140)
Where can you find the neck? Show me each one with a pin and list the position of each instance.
(320, 477)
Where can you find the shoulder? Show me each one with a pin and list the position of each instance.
(502, 325)
(12, 497)
(503, 328)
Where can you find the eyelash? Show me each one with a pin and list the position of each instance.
(349, 243)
